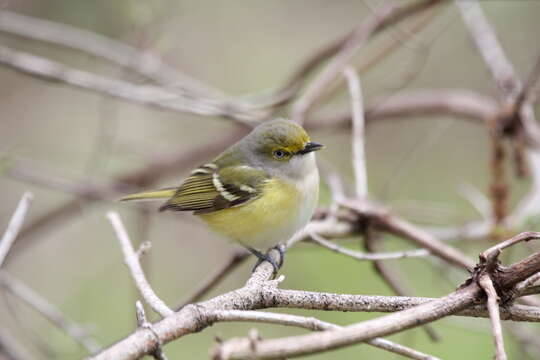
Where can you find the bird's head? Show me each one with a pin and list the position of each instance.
(281, 146)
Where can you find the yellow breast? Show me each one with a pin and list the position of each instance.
(263, 222)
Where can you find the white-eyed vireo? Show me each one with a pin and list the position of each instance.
(259, 192)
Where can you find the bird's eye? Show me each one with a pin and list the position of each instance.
(280, 154)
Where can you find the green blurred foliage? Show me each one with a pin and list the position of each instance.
(242, 47)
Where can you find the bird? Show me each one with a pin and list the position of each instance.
(258, 193)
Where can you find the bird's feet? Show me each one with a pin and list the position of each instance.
(267, 257)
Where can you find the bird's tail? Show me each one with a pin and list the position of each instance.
(151, 195)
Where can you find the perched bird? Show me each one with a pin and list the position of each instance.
(259, 192)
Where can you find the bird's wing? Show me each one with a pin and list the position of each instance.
(209, 189)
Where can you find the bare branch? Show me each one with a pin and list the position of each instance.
(213, 280)
(524, 286)
(390, 275)
(347, 47)
(143, 323)
(49, 312)
(14, 226)
(259, 292)
(318, 86)
(459, 300)
(528, 93)
(385, 220)
(154, 96)
(477, 199)
(309, 323)
(491, 254)
(488, 45)
(358, 133)
(143, 63)
(132, 261)
(318, 239)
(492, 303)
(463, 104)
(10, 348)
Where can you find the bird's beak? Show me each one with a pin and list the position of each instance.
(311, 146)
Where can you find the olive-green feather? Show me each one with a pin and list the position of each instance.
(205, 192)
(151, 195)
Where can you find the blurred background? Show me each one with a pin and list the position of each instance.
(60, 142)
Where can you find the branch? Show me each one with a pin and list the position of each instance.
(492, 303)
(309, 323)
(319, 85)
(385, 220)
(141, 62)
(10, 348)
(347, 47)
(153, 96)
(131, 259)
(14, 226)
(318, 239)
(259, 292)
(390, 275)
(460, 103)
(457, 301)
(488, 45)
(143, 323)
(358, 133)
(49, 312)
(213, 280)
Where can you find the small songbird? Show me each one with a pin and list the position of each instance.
(259, 192)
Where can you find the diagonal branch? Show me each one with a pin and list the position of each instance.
(149, 95)
(143, 63)
(14, 226)
(131, 259)
(309, 323)
(452, 303)
(49, 312)
(232, 263)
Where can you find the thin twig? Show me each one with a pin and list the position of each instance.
(319, 85)
(528, 93)
(213, 280)
(476, 198)
(14, 226)
(143, 323)
(488, 45)
(132, 261)
(526, 284)
(493, 307)
(490, 255)
(154, 96)
(310, 323)
(143, 63)
(358, 132)
(295, 346)
(391, 276)
(10, 348)
(49, 312)
(358, 255)
(260, 292)
(383, 219)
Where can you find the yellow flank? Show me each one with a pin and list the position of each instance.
(261, 220)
